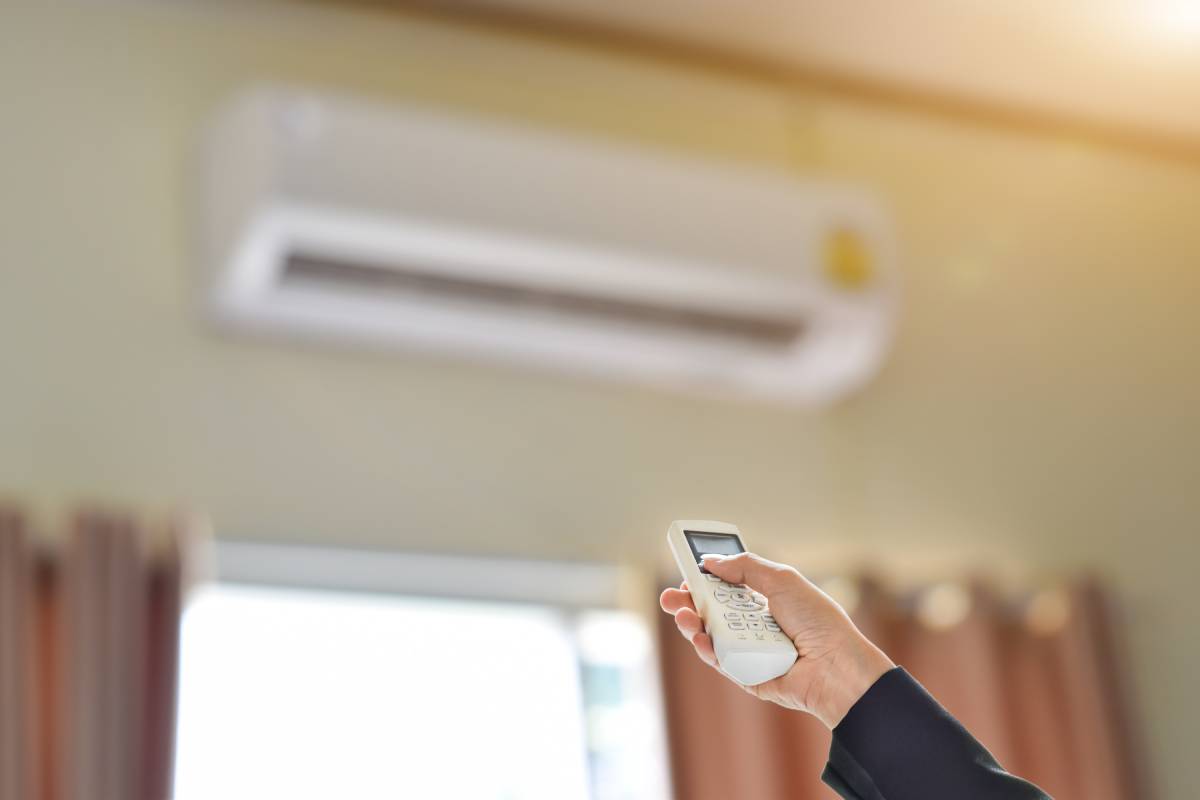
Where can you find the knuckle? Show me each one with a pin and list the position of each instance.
(772, 574)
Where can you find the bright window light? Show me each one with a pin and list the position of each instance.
(307, 695)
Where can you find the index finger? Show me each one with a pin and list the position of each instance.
(756, 571)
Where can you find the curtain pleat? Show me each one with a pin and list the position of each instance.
(1050, 700)
(88, 661)
(161, 634)
(1038, 708)
(1108, 632)
(16, 673)
(47, 652)
(1088, 684)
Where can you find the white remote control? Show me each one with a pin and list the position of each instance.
(750, 646)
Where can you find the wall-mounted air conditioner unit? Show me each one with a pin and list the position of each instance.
(463, 235)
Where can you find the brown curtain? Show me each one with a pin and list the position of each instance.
(88, 658)
(1039, 682)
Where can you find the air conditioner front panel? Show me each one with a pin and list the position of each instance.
(446, 233)
(462, 170)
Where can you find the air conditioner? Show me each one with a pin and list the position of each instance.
(455, 234)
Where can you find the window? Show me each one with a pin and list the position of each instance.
(305, 691)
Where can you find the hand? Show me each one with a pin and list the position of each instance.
(837, 664)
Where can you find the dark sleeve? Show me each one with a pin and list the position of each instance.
(898, 743)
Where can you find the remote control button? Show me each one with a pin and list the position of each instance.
(753, 616)
(742, 597)
(722, 597)
(772, 627)
(754, 626)
(746, 606)
(737, 626)
(733, 615)
(768, 618)
(712, 578)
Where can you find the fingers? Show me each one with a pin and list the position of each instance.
(689, 623)
(754, 571)
(678, 603)
(704, 648)
(692, 628)
(672, 600)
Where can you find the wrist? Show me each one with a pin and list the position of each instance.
(852, 671)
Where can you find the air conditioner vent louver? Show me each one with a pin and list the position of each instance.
(500, 297)
(457, 235)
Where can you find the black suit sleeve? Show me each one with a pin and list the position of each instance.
(898, 743)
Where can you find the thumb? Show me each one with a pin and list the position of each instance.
(753, 570)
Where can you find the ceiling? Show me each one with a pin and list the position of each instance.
(1130, 64)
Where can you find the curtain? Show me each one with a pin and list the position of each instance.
(1040, 682)
(88, 660)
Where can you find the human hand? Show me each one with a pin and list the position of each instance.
(836, 664)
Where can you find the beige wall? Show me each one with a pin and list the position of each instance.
(1041, 407)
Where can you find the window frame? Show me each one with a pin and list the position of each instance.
(566, 584)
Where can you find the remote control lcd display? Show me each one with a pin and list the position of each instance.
(721, 544)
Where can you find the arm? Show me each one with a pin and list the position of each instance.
(891, 739)
(897, 742)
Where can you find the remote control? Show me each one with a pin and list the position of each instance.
(750, 646)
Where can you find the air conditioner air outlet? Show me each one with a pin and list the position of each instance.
(555, 306)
